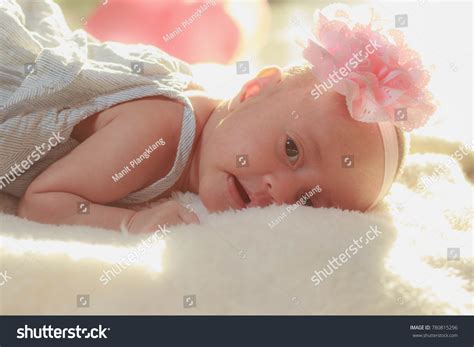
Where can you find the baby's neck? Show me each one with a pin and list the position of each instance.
(203, 105)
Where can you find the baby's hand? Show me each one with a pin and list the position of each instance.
(169, 213)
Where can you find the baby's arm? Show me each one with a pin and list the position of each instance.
(85, 174)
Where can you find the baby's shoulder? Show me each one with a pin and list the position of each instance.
(155, 110)
(147, 115)
(151, 119)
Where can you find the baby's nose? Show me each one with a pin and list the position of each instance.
(280, 187)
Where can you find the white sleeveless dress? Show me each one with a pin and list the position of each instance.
(52, 78)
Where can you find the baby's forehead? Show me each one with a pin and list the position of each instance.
(299, 90)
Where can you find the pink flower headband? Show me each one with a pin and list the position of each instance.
(383, 81)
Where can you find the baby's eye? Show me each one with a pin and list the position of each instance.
(291, 150)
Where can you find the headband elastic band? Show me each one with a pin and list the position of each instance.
(390, 145)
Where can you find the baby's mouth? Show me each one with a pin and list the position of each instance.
(243, 193)
(237, 192)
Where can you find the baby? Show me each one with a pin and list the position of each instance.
(284, 133)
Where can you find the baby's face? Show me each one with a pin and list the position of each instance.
(274, 142)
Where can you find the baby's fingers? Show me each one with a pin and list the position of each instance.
(188, 216)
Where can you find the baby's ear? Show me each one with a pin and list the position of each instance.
(266, 78)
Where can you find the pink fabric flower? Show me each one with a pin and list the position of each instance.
(376, 72)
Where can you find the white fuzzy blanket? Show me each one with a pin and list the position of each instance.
(234, 263)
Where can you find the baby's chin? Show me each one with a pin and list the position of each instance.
(210, 201)
(213, 199)
(213, 205)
